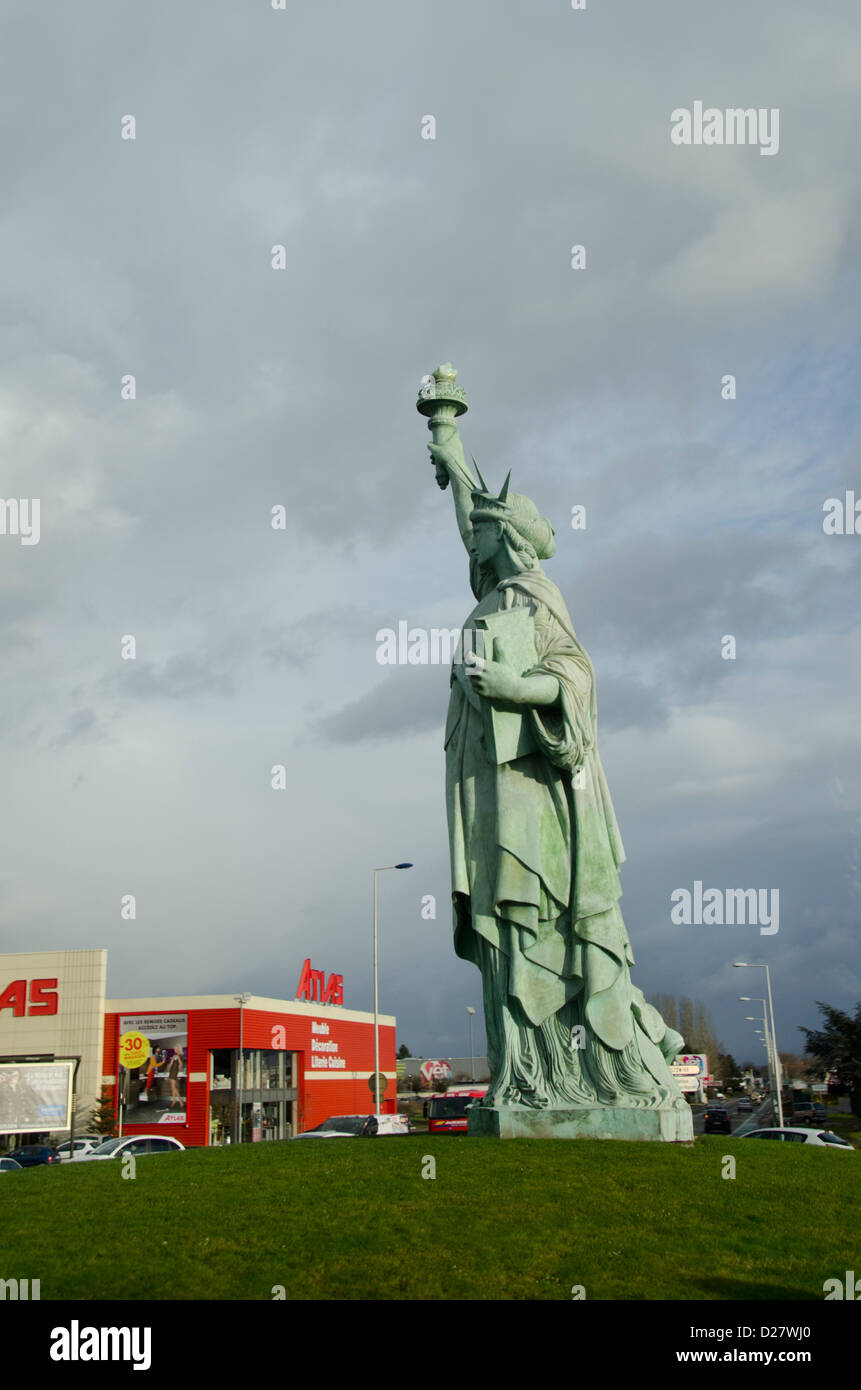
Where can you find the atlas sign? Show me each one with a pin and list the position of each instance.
(313, 987)
(40, 999)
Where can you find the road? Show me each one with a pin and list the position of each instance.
(741, 1123)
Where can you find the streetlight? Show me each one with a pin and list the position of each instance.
(241, 1000)
(758, 965)
(471, 1011)
(376, 990)
(750, 999)
(754, 999)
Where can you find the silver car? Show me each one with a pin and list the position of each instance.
(135, 1144)
(820, 1138)
(84, 1145)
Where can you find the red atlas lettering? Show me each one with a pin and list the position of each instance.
(14, 997)
(43, 997)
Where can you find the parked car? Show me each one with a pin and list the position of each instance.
(34, 1155)
(802, 1115)
(820, 1138)
(357, 1127)
(84, 1145)
(745, 1103)
(135, 1144)
(717, 1121)
(9, 1165)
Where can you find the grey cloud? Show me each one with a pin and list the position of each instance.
(81, 727)
(410, 700)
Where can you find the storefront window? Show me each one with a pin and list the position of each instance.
(273, 1120)
(273, 1069)
(222, 1069)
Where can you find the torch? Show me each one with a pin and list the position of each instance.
(441, 400)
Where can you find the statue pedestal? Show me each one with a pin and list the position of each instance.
(582, 1122)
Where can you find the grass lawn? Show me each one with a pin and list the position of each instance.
(518, 1219)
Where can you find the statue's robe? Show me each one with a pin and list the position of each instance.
(535, 847)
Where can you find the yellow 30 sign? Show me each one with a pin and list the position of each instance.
(134, 1050)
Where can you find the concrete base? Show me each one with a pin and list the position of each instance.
(598, 1122)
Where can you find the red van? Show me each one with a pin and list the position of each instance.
(447, 1114)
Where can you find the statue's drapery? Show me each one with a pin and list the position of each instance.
(535, 856)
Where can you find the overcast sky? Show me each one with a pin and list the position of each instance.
(257, 387)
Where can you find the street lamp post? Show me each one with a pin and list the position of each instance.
(242, 1000)
(759, 965)
(471, 1012)
(381, 870)
(750, 999)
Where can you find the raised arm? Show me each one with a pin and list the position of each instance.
(451, 468)
(441, 401)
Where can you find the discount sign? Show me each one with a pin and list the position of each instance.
(134, 1050)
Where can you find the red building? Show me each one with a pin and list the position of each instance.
(175, 1064)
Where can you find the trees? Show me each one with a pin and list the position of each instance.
(693, 1020)
(726, 1070)
(837, 1049)
(794, 1068)
(403, 1051)
(666, 1007)
(104, 1120)
(704, 1035)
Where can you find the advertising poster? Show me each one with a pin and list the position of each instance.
(691, 1070)
(435, 1069)
(153, 1057)
(35, 1097)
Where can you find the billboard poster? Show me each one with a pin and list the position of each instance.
(691, 1070)
(153, 1057)
(435, 1069)
(35, 1097)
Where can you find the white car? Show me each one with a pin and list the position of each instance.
(135, 1144)
(84, 1145)
(357, 1127)
(820, 1138)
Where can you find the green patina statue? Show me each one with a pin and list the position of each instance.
(574, 1048)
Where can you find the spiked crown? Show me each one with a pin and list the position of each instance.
(520, 513)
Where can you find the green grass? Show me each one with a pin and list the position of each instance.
(521, 1219)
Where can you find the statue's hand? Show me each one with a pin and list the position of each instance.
(441, 459)
(495, 679)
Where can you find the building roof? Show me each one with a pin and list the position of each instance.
(187, 1003)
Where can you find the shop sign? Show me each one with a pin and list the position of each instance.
(313, 987)
(42, 996)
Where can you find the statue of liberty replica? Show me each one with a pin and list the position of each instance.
(574, 1048)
